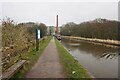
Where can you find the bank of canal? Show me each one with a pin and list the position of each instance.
(115, 43)
(101, 61)
(72, 68)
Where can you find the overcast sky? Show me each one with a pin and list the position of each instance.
(46, 12)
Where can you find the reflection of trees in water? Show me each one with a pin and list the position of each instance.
(98, 51)
(109, 55)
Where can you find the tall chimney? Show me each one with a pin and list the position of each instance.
(57, 24)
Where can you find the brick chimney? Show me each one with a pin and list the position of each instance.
(57, 24)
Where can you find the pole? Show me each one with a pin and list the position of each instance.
(37, 40)
(57, 24)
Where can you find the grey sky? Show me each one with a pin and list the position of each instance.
(68, 11)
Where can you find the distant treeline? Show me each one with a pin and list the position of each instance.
(98, 28)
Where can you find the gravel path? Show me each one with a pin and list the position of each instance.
(48, 65)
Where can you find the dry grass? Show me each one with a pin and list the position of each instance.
(95, 40)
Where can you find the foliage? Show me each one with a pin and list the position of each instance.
(19, 39)
(41, 26)
(98, 28)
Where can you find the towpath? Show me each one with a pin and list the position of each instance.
(48, 65)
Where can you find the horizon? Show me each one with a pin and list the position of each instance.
(45, 12)
(65, 23)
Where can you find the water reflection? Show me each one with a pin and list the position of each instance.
(109, 55)
(96, 50)
(101, 61)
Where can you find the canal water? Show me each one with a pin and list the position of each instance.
(100, 60)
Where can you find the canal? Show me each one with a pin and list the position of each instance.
(100, 60)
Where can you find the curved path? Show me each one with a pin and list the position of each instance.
(48, 65)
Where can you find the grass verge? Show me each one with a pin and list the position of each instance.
(71, 66)
(31, 58)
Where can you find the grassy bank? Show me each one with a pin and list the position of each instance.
(94, 40)
(71, 66)
(32, 58)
